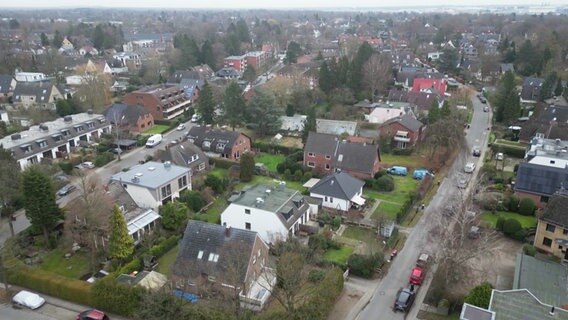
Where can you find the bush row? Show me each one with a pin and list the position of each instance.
(364, 265)
(222, 163)
(118, 298)
(405, 208)
(270, 148)
(512, 151)
(163, 247)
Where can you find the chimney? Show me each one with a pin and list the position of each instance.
(282, 185)
(227, 231)
(552, 311)
(167, 164)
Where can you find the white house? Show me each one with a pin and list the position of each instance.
(30, 76)
(153, 184)
(384, 114)
(339, 191)
(275, 213)
(54, 139)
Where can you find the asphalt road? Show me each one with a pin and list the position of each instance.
(381, 304)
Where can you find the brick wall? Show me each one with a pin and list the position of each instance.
(148, 101)
(241, 145)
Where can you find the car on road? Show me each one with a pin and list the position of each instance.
(476, 151)
(181, 127)
(462, 183)
(195, 118)
(482, 98)
(92, 314)
(85, 165)
(404, 300)
(28, 300)
(66, 190)
(486, 109)
(116, 151)
(469, 167)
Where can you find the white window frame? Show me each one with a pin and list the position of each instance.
(311, 154)
(311, 164)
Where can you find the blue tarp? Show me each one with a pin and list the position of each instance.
(185, 295)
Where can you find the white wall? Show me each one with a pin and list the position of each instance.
(333, 203)
(267, 224)
(142, 196)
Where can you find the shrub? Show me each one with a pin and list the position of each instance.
(316, 275)
(163, 247)
(511, 227)
(247, 167)
(289, 164)
(221, 163)
(135, 265)
(380, 173)
(336, 223)
(402, 152)
(527, 207)
(288, 174)
(529, 250)
(520, 235)
(296, 156)
(391, 241)
(298, 175)
(217, 184)
(513, 203)
(193, 200)
(115, 297)
(480, 295)
(500, 223)
(384, 183)
(363, 266)
(66, 167)
(103, 158)
(307, 176)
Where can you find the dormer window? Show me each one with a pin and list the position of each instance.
(26, 148)
(213, 257)
(90, 124)
(78, 128)
(200, 254)
(41, 143)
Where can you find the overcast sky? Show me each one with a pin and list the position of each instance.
(281, 4)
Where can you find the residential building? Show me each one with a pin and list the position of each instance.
(405, 131)
(384, 113)
(164, 102)
(326, 153)
(539, 182)
(4, 117)
(214, 258)
(276, 213)
(228, 73)
(220, 142)
(547, 121)
(115, 67)
(430, 86)
(238, 63)
(539, 146)
(7, 87)
(88, 50)
(205, 72)
(521, 304)
(471, 312)
(30, 76)
(530, 91)
(54, 139)
(336, 127)
(504, 67)
(421, 101)
(256, 59)
(133, 118)
(131, 60)
(339, 191)
(36, 94)
(185, 154)
(153, 184)
(545, 279)
(191, 87)
(552, 230)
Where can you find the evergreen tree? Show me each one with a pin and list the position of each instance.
(445, 112)
(11, 177)
(233, 105)
(57, 39)
(249, 74)
(247, 167)
(207, 55)
(342, 71)
(325, 78)
(173, 214)
(449, 60)
(206, 104)
(120, 244)
(364, 52)
(266, 113)
(294, 50)
(434, 114)
(310, 124)
(558, 91)
(99, 37)
(39, 201)
(507, 97)
(548, 86)
(44, 39)
(242, 31)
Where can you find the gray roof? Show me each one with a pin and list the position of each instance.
(54, 133)
(211, 239)
(408, 121)
(151, 174)
(522, 305)
(507, 67)
(5, 83)
(185, 154)
(336, 126)
(288, 204)
(189, 85)
(539, 179)
(216, 138)
(338, 185)
(41, 91)
(131, 113)
(228, 72)
(321, 143)
(471, 312)
(546, 280)
(555, 211)
(179, 75)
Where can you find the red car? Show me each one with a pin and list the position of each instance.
(417, 276)
(92, 314)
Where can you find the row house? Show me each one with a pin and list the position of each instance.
(54, 139)
(164, 102)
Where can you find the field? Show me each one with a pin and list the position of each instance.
(157, 128)
(491, 219)
(74, 267)
(269, 160)
(368, 237)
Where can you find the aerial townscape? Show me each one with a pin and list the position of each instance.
(283, 161)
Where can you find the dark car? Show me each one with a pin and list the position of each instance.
(482, 98)
(92, 314)
(66, 190)
(404, 300)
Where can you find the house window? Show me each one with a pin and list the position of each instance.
(565, 232)
(213, 257)
(166, 191)
(325, 199)
(247, 211)
(311, 164)
(327, 157)
(182, 182)
(201, 166)
(544, 199)
(311, 154)
(330, 200)
(550, 227)
(327, 166)
(247, 225)
(547, 242)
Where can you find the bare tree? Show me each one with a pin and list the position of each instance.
(94, 91)
(444, 135)
(377, 72)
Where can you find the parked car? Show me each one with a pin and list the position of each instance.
(195, 118)
(92, 314)
(154, 140)
(85, 165)
(418, 273)
(28, 300)
(404, 300)
(98, 275)
(398, 171)
(482, 98)
(462, 183)
(66, 190)
(181, 127)
(419, 174)
(469, 167)
(499, 156)
(486, 109)
(476, 151)
(116, 151)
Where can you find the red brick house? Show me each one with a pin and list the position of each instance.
(220, 142)
(326, 153)
(405, 130)
(539, 182)
(162, 101)
(132, 118)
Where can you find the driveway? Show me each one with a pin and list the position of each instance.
(380, 304)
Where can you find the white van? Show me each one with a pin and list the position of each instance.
(154, 141)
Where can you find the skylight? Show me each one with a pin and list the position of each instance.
(200, 254)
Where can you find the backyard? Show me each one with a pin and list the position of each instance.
(167, 260)
(75, 267)
(414, 161)
(391, 202)
(339, 256)
(491, 219)
(367, 237)
(157, 129)
(269, 160)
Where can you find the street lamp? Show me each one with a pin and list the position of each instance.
(118, 125)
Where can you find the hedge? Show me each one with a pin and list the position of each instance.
(405, 208)
(271, 148)
(512, 151)
(222, 163)
(165, 246)
(116, 297)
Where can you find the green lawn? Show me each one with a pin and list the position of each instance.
(387, 209)
(167, 260)
(269, 160)
(218, 172)
(157, 128)
(491, 219)
(367, 236)
(413, 161)
(402, 186)
(214, 212)
(74, 267)
(339, 256)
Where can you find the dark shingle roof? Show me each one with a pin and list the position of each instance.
(200, 134)
(211, 239)
(408, 121)
(131, 113)
(321, 143)
(182, 155)
(40, 90)
(541, 121)
(539, 179)
(338, 185)
(356, 156)
(177, 76)
(5, 83)
(228, 72)
(555, 211)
